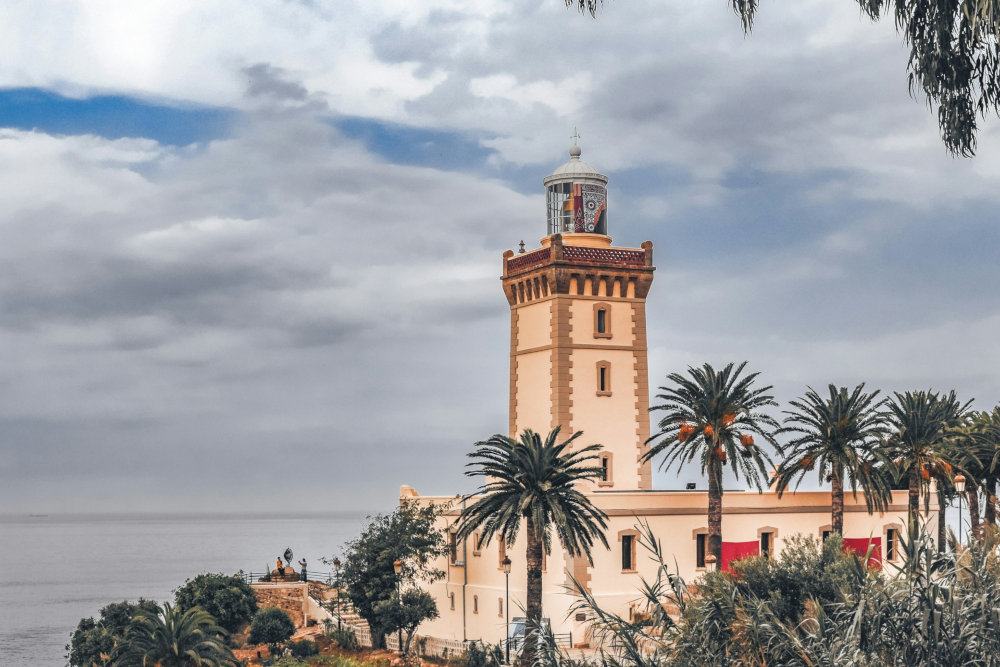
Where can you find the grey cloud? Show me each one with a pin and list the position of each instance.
(265, 80)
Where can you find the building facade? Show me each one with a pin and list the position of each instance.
(578, 362)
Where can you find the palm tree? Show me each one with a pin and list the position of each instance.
(711, 417)
(922, 421)
(838, 436)
(172, 638)
(536, 482)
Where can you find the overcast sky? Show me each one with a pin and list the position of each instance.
(250, 252)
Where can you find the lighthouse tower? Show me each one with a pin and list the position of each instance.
(578, 328)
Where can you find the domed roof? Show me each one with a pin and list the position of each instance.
(576, 168)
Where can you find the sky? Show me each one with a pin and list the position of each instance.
(250, 252)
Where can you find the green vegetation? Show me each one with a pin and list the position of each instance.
(271, 626)
(954, 56)
(303, 648)
(815, 606)
(94, 642)
(711, 417)
(229, 599)
(535, 482)
(171, 637)
(405, 612)
(408, 535)
(839, 437)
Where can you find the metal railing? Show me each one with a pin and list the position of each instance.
(263, 577)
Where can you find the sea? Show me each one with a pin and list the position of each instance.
(57, 569)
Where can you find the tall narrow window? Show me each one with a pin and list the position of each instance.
(602, 320)
(891, 544)
(604, 468)
(453, 547)
(476, 543)
(500, 607)
(475, 604)
(700, 550)
(628, 542)
(603, 378)
(451, 599)
(502, 550)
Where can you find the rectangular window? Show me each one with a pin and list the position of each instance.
(627, 542)
(502, 549)
(891, 544)
(826, 534)
(602, 321)
(604, 468)
(604, 378)
(700, 550)
(766, 543)
(453, 547)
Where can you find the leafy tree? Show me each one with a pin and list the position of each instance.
(93, 642)
(711, 417)
(839, 437)
(230, 600)
(409, 535)
(406, 612)
(535, 482)
(954, 56)
(923, 421)
(174, 638)
(271, 626)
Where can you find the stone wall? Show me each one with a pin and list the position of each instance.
(290, 597)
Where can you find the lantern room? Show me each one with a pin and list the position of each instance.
(576, 198)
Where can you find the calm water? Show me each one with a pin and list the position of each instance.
(59, 569)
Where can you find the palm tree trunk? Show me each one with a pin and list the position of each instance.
(837, 503)
(941, 518)
(914, 512)
(533, 601)
(972, 490)
(990, 511)
(715, 511)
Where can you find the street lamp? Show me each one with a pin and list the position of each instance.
(960, 488)
(397, 565)
(336, 567)
(506, 605)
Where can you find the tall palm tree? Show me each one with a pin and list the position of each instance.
(175, 638)
(534, 481)
(837, 436)
(923, 421)
(711, 417)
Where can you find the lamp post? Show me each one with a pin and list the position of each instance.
(506, 606)
(397, 565)
(336, 567)
(960, 489)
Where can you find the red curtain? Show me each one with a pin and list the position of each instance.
(735, 550)
(860, 547)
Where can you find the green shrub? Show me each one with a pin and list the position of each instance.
(303, 648)
(344, 638)
(229, 599)
(271, 626)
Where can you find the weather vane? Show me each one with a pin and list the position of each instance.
(576, 136)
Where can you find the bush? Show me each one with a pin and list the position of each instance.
(229, 599)
(345, 638)
(93, 641)
(303, 648)
(271, 626)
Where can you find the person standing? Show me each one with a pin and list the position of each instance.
(302, 563)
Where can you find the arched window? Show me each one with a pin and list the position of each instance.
(602, 320)
(603, 378)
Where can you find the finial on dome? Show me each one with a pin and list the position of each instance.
(574, 151)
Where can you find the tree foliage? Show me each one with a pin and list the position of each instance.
(271, 625)
(839, 437)
(536, 482)
(406, 612)
(954, 56)
(174, 638)
(409, 535)
(230, 600)
(93, 642)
